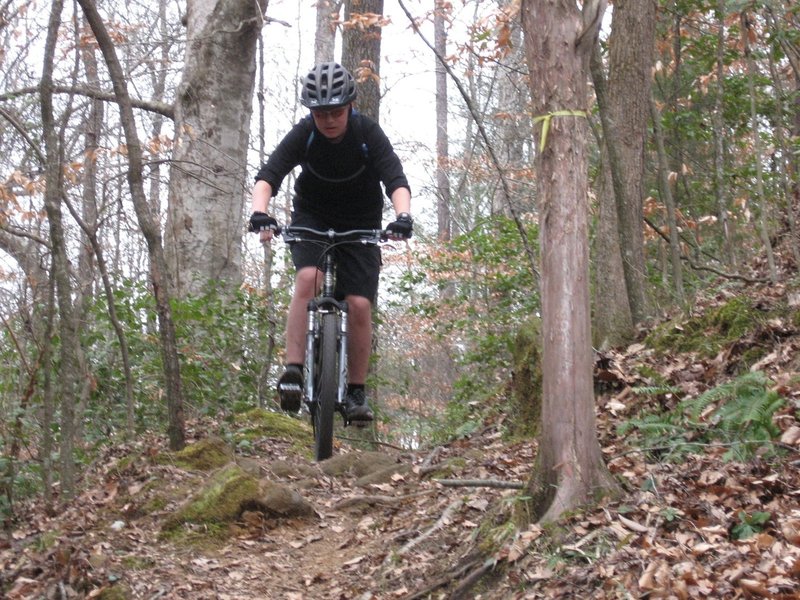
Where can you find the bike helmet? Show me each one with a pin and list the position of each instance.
(328, 85)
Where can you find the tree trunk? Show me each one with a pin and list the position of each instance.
(625, 110)
(212, 123)
(760, 203)
(718, 124)
(669, 205)
(361, 51)
(325, 38)
(69, 365)
(569, 469)
(443, 200)
(148, 222)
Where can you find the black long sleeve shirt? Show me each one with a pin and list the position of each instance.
(338, 183)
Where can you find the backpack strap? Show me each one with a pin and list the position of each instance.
(358, 130)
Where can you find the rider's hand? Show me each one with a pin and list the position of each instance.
(259, 221)
(401, 228)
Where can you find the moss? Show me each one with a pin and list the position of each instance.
(526, 384)
(260, 423)
(707, 334)
(138, 563)
(205, 455)
(734, 319)
(219, 501)
(115, 592)
(47, 540)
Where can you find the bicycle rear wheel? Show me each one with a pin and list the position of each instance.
(326, 386)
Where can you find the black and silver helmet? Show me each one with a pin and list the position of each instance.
(328, 85)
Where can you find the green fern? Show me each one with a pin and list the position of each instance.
(738, 413)
(746, 386)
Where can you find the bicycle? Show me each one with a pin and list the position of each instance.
(325, 368)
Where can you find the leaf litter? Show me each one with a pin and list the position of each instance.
(701, 527)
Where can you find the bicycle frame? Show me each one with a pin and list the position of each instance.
(323, 304)
(326, 335)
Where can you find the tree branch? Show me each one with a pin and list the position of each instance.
(490, 483)
(161, 108)
(485, 136)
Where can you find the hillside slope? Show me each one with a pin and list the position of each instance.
(696, 522)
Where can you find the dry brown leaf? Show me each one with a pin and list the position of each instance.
(791, 436)
(754, 587)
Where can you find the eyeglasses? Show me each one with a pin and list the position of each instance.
(329, 113)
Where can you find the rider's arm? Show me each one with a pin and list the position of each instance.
(262, 192)
(401, 200)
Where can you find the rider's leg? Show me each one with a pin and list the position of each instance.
(305, 286)
(290, 385)
(359, 347)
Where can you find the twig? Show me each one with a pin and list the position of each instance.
(453, 575)
(491, 483)
(470, 580)
(378, 499)
(387, 444)
(430, 458)
(448, 512)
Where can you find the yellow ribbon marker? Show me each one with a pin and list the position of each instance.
(545, 120)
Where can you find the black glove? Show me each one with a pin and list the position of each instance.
(402, 227)
(260, 221)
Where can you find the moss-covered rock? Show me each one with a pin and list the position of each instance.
(204, 455)
(219, 501)
(261, 423)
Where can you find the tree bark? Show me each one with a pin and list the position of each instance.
(148, 222)
(569, 469)
(205, 221)
(718, 125)
(69, 364)
(624, 104)
(325, 38)
(361, 52)
(761, 199)
(443, 200)
(669, 205)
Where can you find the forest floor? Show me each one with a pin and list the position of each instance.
(390, 524)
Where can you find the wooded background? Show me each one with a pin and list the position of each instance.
(595, 180)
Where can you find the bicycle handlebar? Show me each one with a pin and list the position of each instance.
(294, 233)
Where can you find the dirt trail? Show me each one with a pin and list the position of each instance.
(382, 528)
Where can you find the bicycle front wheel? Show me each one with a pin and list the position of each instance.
(327, 386)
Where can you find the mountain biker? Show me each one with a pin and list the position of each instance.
(344, 157)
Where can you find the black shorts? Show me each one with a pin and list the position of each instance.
(358, 266)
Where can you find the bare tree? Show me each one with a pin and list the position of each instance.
(149, 224)
(212, 123)
(624, 104)
(443, 200)
(69, 367)
(570, 468)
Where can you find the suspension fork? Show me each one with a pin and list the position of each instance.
(311, 334)
(342, 352)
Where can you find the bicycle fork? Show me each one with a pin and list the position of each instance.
(312, 339)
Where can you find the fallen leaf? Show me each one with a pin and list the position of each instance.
(754, 587)
(791, 436)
